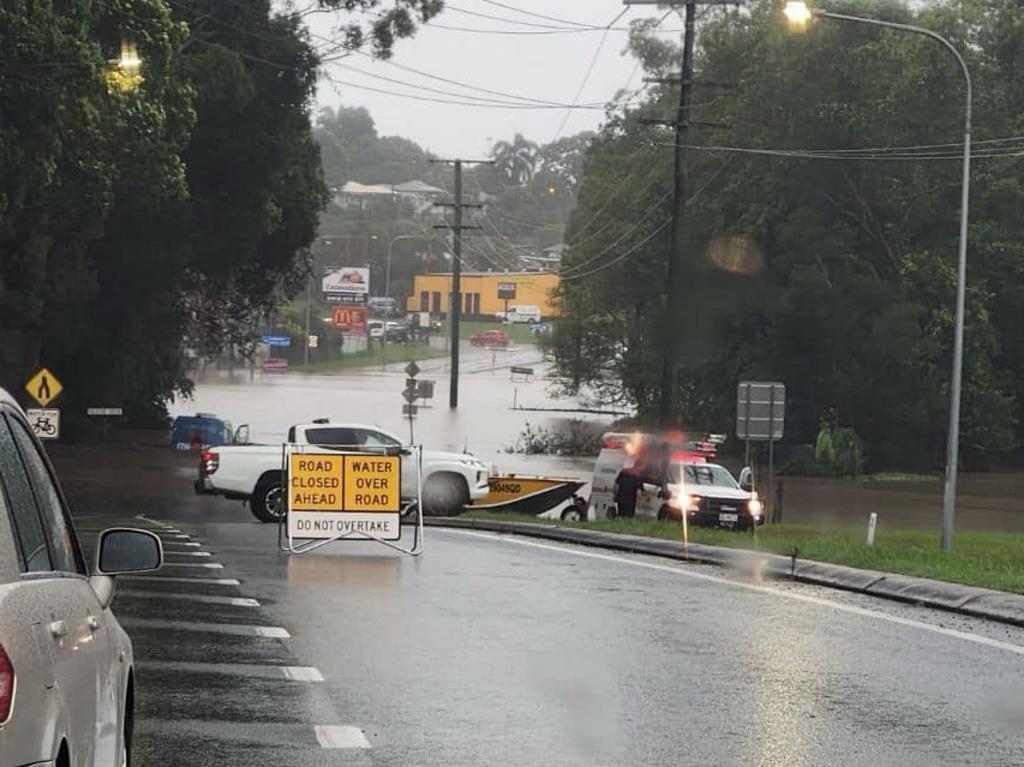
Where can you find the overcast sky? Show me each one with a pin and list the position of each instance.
(547, 67)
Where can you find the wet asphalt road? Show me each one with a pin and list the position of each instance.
(510, 652)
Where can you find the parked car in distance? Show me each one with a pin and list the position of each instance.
(489, 338)
(200, 431)
(521, 313)
(395, 332)
(376, 328)
(382, 305)
(67, 674)
(541, 329)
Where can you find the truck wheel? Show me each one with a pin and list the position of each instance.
(444, 495)
(267, 501)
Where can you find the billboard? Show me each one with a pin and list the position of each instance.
(506, 291)
(346, 283)
(350, 320)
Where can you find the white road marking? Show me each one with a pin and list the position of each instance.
(172, 579)
(191, 543)
(302, 673)
(210, 565)
(806, 598)
(201, 598)
(272, 632)
(233, 629)
(171, 529)
(190, 553)
(181, 536)
(340, 736)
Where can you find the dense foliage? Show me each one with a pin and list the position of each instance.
(832, 273)
(143, 216)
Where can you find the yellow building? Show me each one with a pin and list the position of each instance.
(484, 293)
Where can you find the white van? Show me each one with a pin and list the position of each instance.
(521, 313)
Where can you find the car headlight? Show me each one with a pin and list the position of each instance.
(755, 506)
(686, 501)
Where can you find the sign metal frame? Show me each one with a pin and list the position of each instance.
(291, 544)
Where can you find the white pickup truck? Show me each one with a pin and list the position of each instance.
(253, 472)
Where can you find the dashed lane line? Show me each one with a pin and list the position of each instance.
(231, 629)
(189, 553)
(200, 598)
(288, 673)
(340, 736)
(173, 579)
(208, 565)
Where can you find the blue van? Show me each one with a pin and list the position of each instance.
(200, 431)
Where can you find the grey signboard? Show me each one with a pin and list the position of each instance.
(760, 410)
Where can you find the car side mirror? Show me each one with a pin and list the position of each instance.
(746, 479)
(241, 435)
(124, 550)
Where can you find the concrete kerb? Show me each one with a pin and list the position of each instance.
(1000, 606)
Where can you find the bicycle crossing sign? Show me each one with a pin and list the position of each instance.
(45, 422)
(44, 387)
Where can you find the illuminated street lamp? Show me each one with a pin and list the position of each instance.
(800, 15)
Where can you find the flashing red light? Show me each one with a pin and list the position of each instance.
(6, 686)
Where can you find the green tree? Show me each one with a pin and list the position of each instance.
(515, 159)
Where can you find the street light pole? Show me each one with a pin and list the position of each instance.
(799, 13)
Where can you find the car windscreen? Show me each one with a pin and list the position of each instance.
(332, 436)
(703, 474)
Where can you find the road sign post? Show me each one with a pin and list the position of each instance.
(106, 413)
(45, 422)
(44, 387)
(761, 417)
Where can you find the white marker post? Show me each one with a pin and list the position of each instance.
(872, 523)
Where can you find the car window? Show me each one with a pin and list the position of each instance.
(63, 548)
(28, 526)
(705, 474)
(370, 438)
(332, 435)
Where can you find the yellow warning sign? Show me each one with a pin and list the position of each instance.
(44, 387)
(372, 483)
(314, 482)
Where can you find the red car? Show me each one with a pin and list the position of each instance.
(489, 338)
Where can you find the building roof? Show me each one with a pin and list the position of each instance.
(354, 187)
(522, 273)
(417, 187)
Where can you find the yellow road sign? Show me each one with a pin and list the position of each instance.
(44, 387)
(372, 483)
(314, 482)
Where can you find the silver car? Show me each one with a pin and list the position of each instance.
(66, 679)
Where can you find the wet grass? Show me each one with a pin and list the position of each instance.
(374, 358)
(989, 560)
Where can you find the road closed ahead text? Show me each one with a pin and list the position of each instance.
(357, 483)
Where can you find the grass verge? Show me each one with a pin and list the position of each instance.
(988, 560)
(374, 357)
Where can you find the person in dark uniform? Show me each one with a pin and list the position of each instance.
(628, 483)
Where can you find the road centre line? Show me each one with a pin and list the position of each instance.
(174, 579)
(340, 736)
(232, 629)
(805, 598)
(201, 598)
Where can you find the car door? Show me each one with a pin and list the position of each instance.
(85, 669)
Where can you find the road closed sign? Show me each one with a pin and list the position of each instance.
(344, 495)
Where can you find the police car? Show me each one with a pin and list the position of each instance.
(707, 493)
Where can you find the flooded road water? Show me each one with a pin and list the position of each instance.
(485, 423)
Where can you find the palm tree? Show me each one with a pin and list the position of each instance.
(516, 159)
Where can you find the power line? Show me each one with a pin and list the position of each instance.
(825, 155)
(532, 14)
(619, 258)
(589, 72)
(449, 7)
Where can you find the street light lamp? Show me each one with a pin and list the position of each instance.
(799, 15)
(391, 245)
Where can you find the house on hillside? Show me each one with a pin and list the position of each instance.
(418, 196)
